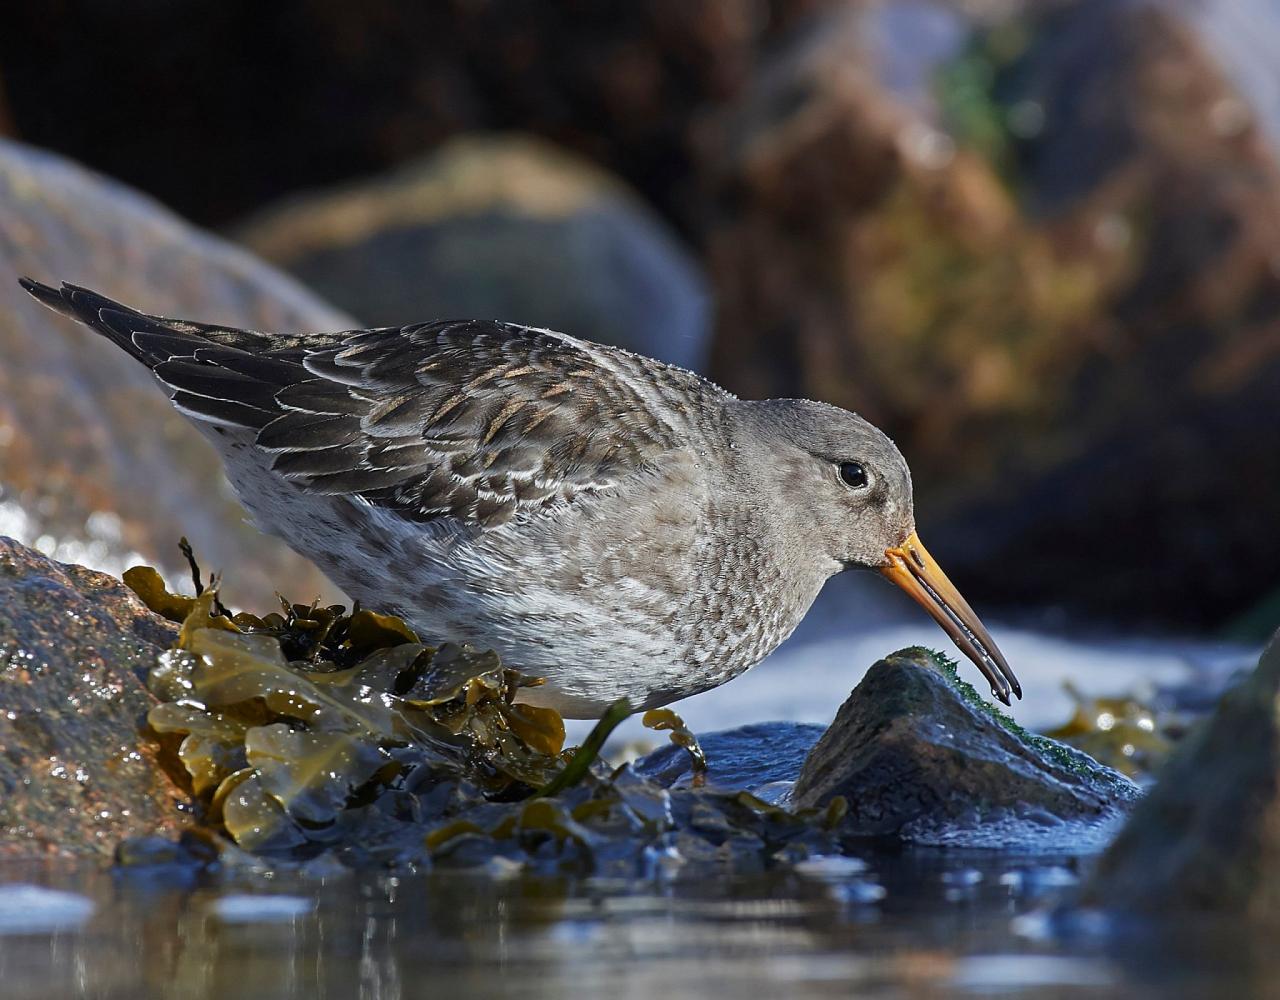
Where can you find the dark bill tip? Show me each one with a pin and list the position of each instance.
(912, 568)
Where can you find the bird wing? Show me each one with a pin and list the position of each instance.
(469, 419)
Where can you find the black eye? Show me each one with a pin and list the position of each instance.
(853, 474)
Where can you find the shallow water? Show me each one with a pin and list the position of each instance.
(939, 924)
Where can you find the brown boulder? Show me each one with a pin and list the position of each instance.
(75, 776)
(95, 465)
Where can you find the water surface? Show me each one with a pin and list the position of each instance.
(912, 924)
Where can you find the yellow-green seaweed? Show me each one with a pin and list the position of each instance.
(665, 719)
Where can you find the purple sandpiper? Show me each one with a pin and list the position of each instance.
(619, 526)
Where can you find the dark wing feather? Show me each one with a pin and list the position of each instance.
(149, 339)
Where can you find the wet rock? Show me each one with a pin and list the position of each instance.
(95, 465)
(919, 756)
(502, 227)
(745, 758)
(75, 776)
(1207, 837)
(1057, 274)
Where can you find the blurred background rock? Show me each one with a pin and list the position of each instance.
(496, 226)
(1037, 242)
(95, 466)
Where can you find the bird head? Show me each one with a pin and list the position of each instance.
(849, 489)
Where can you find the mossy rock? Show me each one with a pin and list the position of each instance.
(920, 757)
(497, 227)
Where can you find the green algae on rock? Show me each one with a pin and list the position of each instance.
(920, 757)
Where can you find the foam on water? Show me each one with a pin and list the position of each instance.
(33, 909)
(99, 545)
(261, 909)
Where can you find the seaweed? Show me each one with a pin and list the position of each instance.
(1124, 732)
(664, 719)
(587, 754)
(312, 728)
(276, 749)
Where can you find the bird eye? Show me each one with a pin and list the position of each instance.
(853, 474)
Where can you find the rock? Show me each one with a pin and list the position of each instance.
(747, 757)
(75, 777)
(1207, 837)
(919, 756)
(1052, 284)
(502, 227)
(95, 465)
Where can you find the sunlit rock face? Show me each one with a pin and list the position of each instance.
(919, 757)
(1207, 837)
(1045, 263)
(497, 227)
(95, 465)
(76, 776)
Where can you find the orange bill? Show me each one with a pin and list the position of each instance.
(914, 570)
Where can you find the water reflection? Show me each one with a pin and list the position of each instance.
(374, 935)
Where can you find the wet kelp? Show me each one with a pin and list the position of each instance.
(313, 729)
(1131, 734)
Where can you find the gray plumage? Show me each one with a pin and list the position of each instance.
(618, 525)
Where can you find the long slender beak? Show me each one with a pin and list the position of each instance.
(915, 571)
